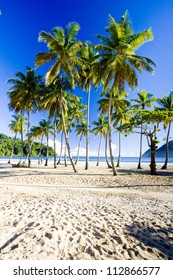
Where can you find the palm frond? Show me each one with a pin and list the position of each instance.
(44, 57)
(52, 73)
(71, 32)
(58, 31)
(138, 39)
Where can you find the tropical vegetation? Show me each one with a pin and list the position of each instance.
(7, 144)
(111, 66)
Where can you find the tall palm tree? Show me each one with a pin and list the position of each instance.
(166, 104)
(81, 130)
(15, 127)
(24, 93)
(118, 63)
(37, 133)
(90, 56)
(100, 128)
(46, 128)
(60, 130)
(50, 101)
(119, 113)
(144, 100)
(63, 48)
(14, 104)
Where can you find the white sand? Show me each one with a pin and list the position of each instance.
(56, 214)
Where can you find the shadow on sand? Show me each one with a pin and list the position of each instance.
(14, 237)
(160, 239)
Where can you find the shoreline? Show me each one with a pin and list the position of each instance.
(49, 214)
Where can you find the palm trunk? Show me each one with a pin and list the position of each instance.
(29, 144)
(167, 148)
(54, 135)
(47, 149)
(153, 158)
(64, 126)
(65, 156)
(140, 152)
(21, 131)
(153, 152)
(27, 156)
(106, 152)
(98, 157)
(12, 151)
(87, 132)
(78, 148)
(59, 161)
(26, 159)
(119, 153)
(39, 156)
(110, 135)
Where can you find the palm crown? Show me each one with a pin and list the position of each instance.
(118, 61)
(63, 47)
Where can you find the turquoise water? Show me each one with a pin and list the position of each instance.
(94, 159)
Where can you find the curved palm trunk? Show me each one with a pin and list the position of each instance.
(64, 126)
(29, 143)
(110, 135)
(140, 153)
(39, 156)
(106, 152)
(26, 159)
(167, 148)
(65, 156)
(78, 148)
(98, 158)
(21, 131)
(87, 132)
(47, 150)
(59, 161)
(119, 152)
(12, 151)
(54, 136)
(27, 156)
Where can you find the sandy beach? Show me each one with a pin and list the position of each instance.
(48, 213)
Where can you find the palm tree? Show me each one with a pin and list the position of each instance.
(14, 104)
(50, 101)
(90, 56)
(81, 130)
(100, 128)
(166, 104)
(119, 113)
(36, 132)
(118, 62)
(46, 129)
(63, 48)
(144, 100)
(24, 91)
(60, 129)
(15, 127)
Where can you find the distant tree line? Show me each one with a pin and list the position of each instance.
(6, 146)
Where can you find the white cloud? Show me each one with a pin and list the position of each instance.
(114, 147)
(58, 145)
(92, 153)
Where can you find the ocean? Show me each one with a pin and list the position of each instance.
(124, 160)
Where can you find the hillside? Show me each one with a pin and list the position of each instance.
(161, 151)
(6, 144)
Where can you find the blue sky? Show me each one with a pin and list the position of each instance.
(21, 22)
